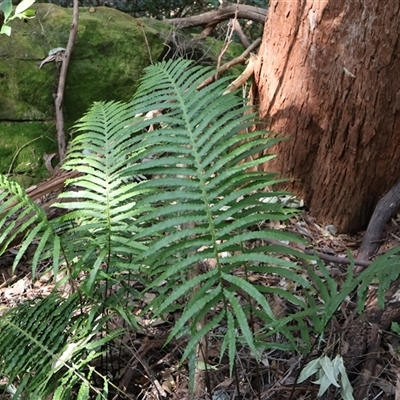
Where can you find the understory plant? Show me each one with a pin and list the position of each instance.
(169, 201)
(22, 11)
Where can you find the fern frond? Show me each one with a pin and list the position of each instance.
(194, 340)
(386, 270)
(22, 217)
(241, 318)
(202, 194)
(209, 300)
(102, 199)
(157, 198)
(45, 340)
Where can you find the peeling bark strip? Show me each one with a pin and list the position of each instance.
(327, 78)
(243, 77)
(225, 11)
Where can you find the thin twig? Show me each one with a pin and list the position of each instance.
(238, 60)
(62, 147)
(19, 151)
(227, 42)
(146, 41)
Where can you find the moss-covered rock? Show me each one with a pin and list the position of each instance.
(110, 52)
(23, 147)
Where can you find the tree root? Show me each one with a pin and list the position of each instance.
(385, 209)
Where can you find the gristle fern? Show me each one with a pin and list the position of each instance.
(47, 345)
(170, 200)
(202, 196)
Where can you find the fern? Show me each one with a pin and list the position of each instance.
(103, 202)
(200, 197)
(46, 345)
(22, 217)
(385, 270)
(201, 194)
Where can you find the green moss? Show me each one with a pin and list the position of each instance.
(25, 94)
(108, 58)
(22, 149)
(110, 53)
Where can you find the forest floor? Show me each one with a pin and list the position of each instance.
(152, 371)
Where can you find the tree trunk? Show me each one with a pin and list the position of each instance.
(327, 77)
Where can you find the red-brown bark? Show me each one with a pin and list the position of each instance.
(327, 78)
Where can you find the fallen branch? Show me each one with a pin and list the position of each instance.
(225, 11)
(208, 29)
(53, 184)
